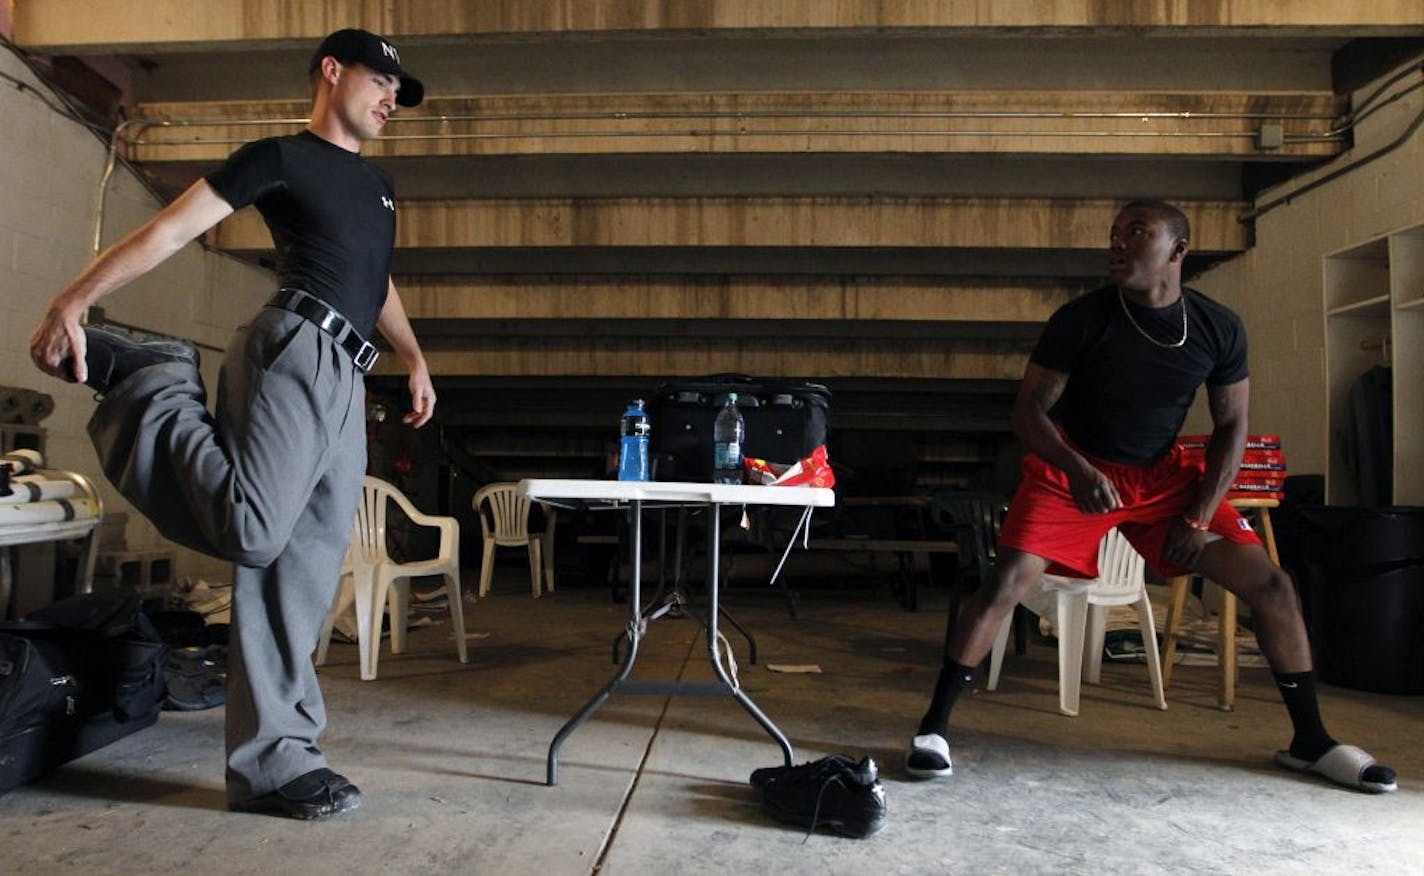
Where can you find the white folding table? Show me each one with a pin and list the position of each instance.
(635, 495)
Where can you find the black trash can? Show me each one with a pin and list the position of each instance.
(1361, 577)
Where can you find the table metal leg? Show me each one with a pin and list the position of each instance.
(715, 560)
(751, 640)
(638, 619)
(635, 633)
(675, 601)
(552, 769)
(665, 601)
(714, 549)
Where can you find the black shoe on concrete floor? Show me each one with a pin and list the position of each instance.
(831, 792)
(761, 776)
(317, 794)
(113, 355)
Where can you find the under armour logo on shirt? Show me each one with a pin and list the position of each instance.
(388, 203)
(390, 52)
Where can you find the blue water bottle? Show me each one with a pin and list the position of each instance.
(633, 449)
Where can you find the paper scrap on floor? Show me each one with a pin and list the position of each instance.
(794, 667)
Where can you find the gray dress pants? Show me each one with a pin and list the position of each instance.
(271, 482)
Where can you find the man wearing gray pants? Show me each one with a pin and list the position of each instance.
(272, 478)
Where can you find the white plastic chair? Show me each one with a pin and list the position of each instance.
(371, 579)
(504, 522)
(1080, 610)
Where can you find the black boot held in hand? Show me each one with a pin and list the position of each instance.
(113, 355)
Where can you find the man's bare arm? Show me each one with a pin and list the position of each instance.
(1229, 406)
(59, 335)
(1185, 540)
(1038, 393)
(394, 326)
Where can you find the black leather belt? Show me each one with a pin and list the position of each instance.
(314, 310)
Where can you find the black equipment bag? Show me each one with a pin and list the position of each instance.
(785, 421)
(75, 676)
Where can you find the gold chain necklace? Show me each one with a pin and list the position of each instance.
(1182, 297)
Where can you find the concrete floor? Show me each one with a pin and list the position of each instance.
(451, 759)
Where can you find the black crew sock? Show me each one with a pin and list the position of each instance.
(1298, 690)
(1311, 742)
(953, 679)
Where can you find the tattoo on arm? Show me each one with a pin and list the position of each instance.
(1220, 403)
(1228, 405)
(1039, 392)
(1046, 391)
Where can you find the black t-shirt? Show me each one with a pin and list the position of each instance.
(1126, 397)
(332, 218)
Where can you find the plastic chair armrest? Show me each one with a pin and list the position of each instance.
(449, 527)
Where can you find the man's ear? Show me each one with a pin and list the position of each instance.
(1179, 249)
(330, 69)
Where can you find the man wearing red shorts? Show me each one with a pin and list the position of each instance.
(1102, 400)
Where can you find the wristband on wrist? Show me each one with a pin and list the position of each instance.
(1198, 525)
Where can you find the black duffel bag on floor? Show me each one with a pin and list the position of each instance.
(75, 676)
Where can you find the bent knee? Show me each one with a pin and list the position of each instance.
(258, 548)
(1275, 590)
(259, 557)
(1280, 585)
(1009, 584)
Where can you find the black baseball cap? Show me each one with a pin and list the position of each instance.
(353, 45)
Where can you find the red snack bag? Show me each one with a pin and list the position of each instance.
(813, 471)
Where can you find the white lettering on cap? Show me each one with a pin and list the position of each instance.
(390, 51)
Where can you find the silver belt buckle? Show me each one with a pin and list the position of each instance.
(365, 357)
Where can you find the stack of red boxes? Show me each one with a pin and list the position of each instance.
(1263, 466)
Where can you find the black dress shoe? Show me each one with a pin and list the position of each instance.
(112, 355)
(317, 794)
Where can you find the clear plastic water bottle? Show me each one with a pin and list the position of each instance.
(728, 434)
(633, 449)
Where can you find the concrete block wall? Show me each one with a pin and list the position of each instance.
(49, 196)
(1278, 285)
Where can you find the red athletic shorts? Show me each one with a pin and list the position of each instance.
(1044, 520)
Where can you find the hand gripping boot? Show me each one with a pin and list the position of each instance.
(112, 356)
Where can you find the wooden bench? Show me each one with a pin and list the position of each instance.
(905, 550)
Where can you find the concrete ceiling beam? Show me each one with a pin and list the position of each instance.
(1024, 223)
(956, 123)
(76, 26)
(694, 298)
(659, 358)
